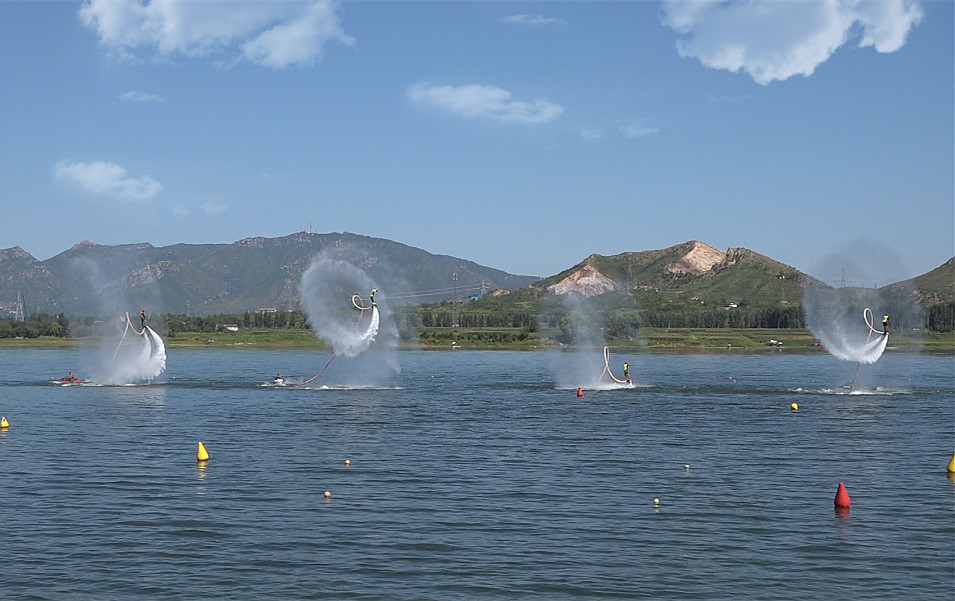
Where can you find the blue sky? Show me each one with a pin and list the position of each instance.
(522, 136)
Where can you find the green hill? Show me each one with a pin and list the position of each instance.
(681, 277)
(688, 285)
(936, 286)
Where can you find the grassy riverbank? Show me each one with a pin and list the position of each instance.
(655, 339)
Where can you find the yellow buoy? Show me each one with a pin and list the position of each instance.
(4, 423)
(794, 406)
(202, 454)
(951, 465)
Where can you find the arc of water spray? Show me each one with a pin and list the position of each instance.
(359, 303)
(869, 321)
(152, 358)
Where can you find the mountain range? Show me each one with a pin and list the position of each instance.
(264, 273)
(248, 275)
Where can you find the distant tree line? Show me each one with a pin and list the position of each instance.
(292, 320)
(774, 317)
(446, 317)
(37, 325)
(941, 317)
(617, 323)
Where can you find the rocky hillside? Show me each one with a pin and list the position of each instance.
(691, 272)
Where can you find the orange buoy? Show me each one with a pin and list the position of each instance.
(580, 391)
(842, 497)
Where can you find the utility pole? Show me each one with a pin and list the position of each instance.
(454, 301)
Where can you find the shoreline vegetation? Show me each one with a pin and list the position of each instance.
(676, 340)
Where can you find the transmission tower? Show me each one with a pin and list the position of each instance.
(19, 316)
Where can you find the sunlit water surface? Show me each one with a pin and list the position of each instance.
(473, 476)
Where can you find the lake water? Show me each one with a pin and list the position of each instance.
(478, 475)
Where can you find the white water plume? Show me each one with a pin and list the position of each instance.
(328, 288)
(336, 297)
(583, 366)
(136, 356)
(126, 353)
(842, 321)
(870, 285)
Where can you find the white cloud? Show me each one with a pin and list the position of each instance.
(107, 179)
(532, 20)
(591, 134)
(777, 40)
(140, 97)
(271, 34)
(300, 40)
(637, 129)
(489, 102)
(212, 207)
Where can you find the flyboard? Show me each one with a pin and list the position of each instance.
(146, 363)
(608, 371)
(872, 349)
(364, 333)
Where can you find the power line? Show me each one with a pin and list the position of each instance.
(453, 290)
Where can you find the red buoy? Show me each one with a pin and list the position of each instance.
(842, 497)
(580, 391)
